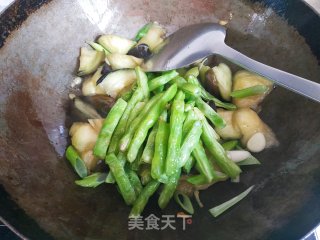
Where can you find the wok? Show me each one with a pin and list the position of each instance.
(38, 59)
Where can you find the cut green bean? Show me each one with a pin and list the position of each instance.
(205, 166)
(220, 155)
(250, 91)
(189, 106)
(134, 180)
(92, 180)
(192, 72)
(143, 198)
(149, 121)
(126, 139)
(123, 182)
(162, 80)
(148, 151)
(122, 159)
(218, 210)
(169, 189)
(179, 81)
(175, 135)
(134, 113)
(186, 203)
(145, 174)
(135, 165)
(200, 179)
(230, 145)
(212, 115)
(142, 32)
(76, 162)
(160, 151)
(189, 164)
(191, 90)
(108, 127)
(210, 132)
(208, 97)
(121, 127)
(190, 142)
(142, 81)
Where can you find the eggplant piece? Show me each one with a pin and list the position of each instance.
(120, 61)
(140, 51)
(117, 82)
(211, 82)
(90, 87)
(116, 44)
(90, 60)
(223, 76)
(154, 36)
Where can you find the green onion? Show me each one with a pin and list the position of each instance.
(98, 47)
(92, 180)
(142, 32)
(250, 91)
(230, 145)
(185, 203)
(216, 211)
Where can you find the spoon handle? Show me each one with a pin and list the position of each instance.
(297, 84)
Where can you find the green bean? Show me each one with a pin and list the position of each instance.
(162, 80)
(92, 180)
(175, 135)
(250, 91)
(142, 81)
(191, 90)
(205, 125)
(126, 139)
(189, 106)
(192, 72)
(125, 187)
(76, 162)
(108, 127)
(189, 164)
(134, 113)
(134, 180)
(220, 155)
(143, 198)
(189, 142)
(200, 179)
(128, 94)
(208, 97)
(135, 165)
(122, 159)
(148, 151)
(230, 145)
(158, 89)
(179, 81)
(149, 121)
(169, 189)
(121, 128)
(160, 151)
(142, 32)
(188, 122)
(145, 174)
(212, 115)
(205, 166)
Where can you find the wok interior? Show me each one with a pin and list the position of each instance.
(37, 65)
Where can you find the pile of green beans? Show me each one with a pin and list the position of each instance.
(165, 129)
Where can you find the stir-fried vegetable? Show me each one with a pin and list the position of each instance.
(218, 210)
(184, 129)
